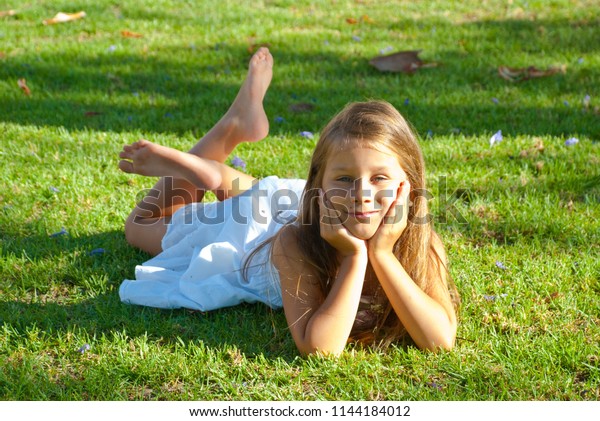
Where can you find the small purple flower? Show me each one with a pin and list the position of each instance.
(112, 48)
(435, 385)
(279, 119)
(356, 38)
(54, 189)
(386, 49)
(307, 135)
(63, 231)
(238, 162)
(500, 265)
(97, 251)
(571, 141)
(566, 103)
(494, 297)
(495, 100)
(586, 101)
(429, 133)
(85, 347)
(580, 60)
(406, 101)
(496, 138)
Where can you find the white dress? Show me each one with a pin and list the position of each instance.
(205, 248)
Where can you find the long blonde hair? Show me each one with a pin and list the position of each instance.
(377, 125)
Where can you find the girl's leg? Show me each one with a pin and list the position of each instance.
(202, 168)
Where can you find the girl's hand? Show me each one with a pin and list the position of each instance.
(335, 233)
(394, 222)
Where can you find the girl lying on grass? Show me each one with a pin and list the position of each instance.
(349, 253)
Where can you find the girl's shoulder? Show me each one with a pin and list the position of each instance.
(288, 257)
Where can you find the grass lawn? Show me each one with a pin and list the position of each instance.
(521, 218)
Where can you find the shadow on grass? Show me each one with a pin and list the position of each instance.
(81, 297)
(127, 92)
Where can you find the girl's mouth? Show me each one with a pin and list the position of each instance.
(362, 215)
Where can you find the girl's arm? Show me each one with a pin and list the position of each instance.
(317, 323)
(429, 319)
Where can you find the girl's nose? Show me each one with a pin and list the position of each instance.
(362, 191)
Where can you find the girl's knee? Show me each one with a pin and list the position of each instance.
(145, 234)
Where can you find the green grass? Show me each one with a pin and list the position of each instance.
(529, 331)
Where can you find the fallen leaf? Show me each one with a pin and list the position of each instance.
(129, 34)
(366, 18)
(4, 13)
(351, 21)
(301, 107)
(525, 73)
(92, 113)
(62, 17)
(403, 61)
(23, 85)
(539, 165)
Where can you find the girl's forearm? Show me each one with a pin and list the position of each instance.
(425, 320)
(328, 330)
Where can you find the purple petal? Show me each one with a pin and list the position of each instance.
(571, 141)
(495, 100)
(63, 231)
(494, 297)
(97, 251)
(238, 162)
(406, 101)
(279, 119)
(85, 347)
(307, 135)
(356, 38)
(386, 49)
(500, 265)
(586, 100)
(496, 138)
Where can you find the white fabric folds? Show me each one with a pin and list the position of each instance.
(205, 248)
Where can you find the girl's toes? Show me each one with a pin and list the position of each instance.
(126, 166)
(126, 154)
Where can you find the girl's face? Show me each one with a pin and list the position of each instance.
(360, 184)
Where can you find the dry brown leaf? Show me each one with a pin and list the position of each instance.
(351, 21)
(403, 61)
(4, 13)
(301, 107)
(519, 75)
(23, 85)
(129, 34)
(62, 17)
(366, 18)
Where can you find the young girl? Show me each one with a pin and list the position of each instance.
(349, 253)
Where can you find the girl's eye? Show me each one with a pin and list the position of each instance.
(345, 179)
(379, 178)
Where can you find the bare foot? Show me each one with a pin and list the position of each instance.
(246, 120)
(247, 111)
(146, 158)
